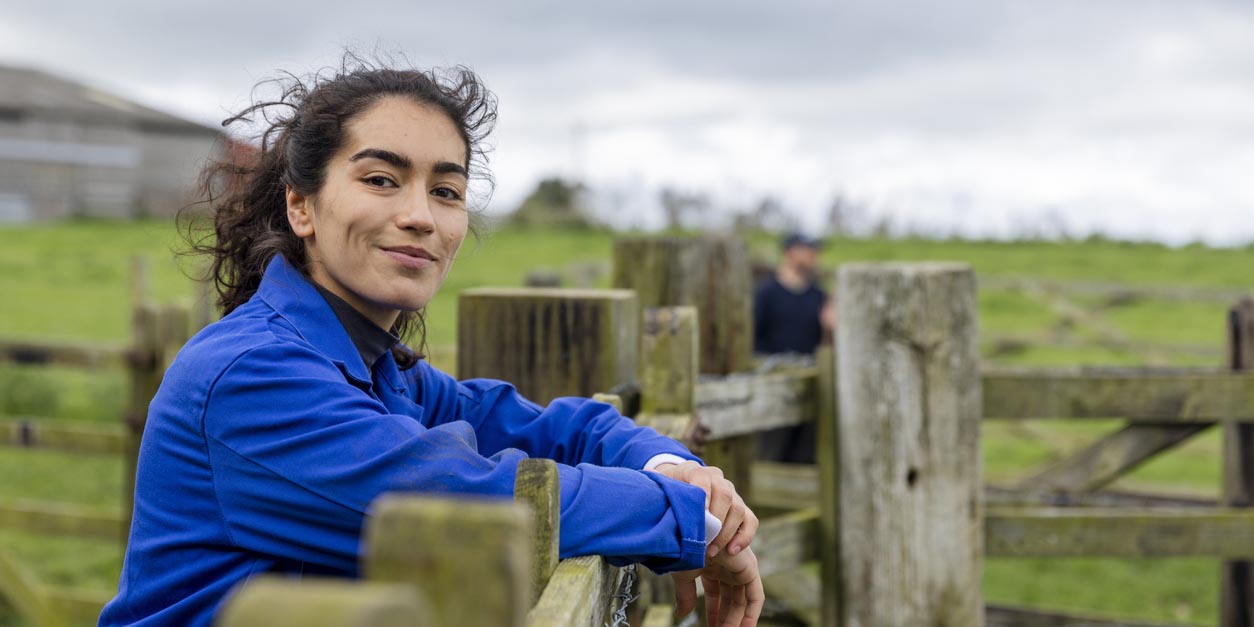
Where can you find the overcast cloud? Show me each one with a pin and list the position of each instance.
(1132, 117)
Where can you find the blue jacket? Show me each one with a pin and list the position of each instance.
(269, 438)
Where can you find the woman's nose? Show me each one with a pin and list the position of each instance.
(417, 215)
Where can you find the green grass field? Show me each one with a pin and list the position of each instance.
(72, 281)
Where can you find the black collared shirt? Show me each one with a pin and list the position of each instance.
(371, 341)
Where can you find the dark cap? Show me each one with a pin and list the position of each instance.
(797, 238)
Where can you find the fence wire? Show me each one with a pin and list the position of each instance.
(623, 597)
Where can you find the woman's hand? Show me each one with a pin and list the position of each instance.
(733, 590)
(722, 501)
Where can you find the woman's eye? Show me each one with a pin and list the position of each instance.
(379, 181)
(447, 193)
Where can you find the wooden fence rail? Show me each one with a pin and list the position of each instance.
(70, 437)
(53, 518)
(60, 353)
(739, 404)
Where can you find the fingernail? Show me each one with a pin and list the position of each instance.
(712, 551)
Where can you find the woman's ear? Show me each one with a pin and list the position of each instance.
(298, 213)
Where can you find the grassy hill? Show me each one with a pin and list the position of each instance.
(1040, 304)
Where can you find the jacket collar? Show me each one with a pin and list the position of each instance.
(371, 341)
(295, 299)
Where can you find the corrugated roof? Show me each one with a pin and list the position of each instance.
(28, 90)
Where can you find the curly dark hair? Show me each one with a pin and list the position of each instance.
(300, 130)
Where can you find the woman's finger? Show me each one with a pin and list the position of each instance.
(722, 499)
(755, 599)
(731, 608)
(732, 521)
(702, 481)
(712, 591)
(685, 592)
(740, 569)
(745, 534)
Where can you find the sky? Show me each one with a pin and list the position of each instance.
(997, 118)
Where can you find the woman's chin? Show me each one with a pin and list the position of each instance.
(409, 305)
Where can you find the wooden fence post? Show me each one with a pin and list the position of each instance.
(669, 353)
(827, 454)
(471, 558)
(548, 342)
(143, 369)
(271, 600)
(537, 484)
(910, 529)
(176, 320)
(141, 281)
(1236, 592)
(158, 333)
(711, 274)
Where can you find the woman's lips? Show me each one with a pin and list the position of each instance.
(414, 258)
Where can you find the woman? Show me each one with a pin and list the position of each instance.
(275, 428)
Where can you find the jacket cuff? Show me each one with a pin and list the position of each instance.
(643, 455)
(687, 504)
(664, 458)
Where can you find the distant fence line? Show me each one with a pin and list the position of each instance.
(1115, 293)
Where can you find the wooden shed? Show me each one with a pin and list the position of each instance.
(70, 150)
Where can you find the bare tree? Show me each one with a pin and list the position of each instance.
(844, 215)
(683, 207)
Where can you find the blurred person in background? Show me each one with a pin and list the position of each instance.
(791, 316)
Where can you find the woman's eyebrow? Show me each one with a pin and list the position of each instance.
(448, 167)
(404, 163)
(400, 161)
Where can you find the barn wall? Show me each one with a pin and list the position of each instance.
(171, 163)
(52, 168)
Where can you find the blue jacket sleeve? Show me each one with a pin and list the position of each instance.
(570, 430)
(298, 453)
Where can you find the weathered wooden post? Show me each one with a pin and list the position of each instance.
(543, 277)
(827, 454)
(144, 374)
(548, 342)
(537, 484)
(669, 353)
(711, 274)
(471, 558)
(1236, 592)
(910, 529)
(271, 600)
(175, 331)
(576, 593)
(157, 335)
(141, 282)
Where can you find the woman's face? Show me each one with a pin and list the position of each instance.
(383, 231)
